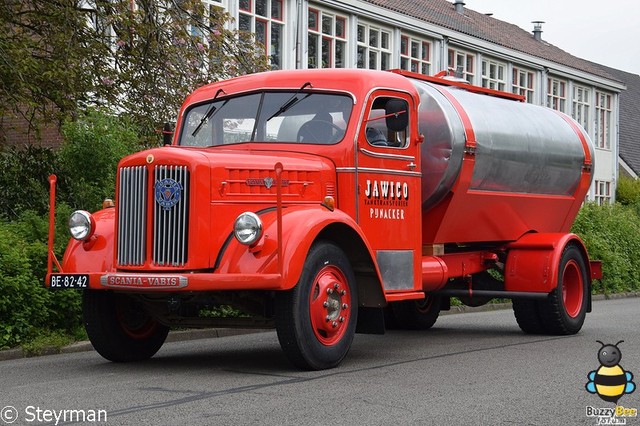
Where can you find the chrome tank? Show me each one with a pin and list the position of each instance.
(521, 148)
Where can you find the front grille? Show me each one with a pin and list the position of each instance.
(170, 223)
(170, 207)
(132, 208)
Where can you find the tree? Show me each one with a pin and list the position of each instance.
(136, 57)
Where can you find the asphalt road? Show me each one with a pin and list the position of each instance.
(474, 368)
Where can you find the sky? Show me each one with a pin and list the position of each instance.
(606, 32)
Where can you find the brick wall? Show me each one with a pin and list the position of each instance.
(14, 131)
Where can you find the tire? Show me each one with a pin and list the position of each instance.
(316, 320)
(564, 311)
(416, 314)
(119, 328)
(527, 316)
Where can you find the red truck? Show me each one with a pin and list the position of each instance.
(325, 202)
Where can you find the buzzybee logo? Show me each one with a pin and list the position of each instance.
(610, 382)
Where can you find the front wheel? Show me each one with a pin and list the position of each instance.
(316, 320)
(119, 328)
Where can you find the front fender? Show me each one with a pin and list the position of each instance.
(301, 225)
(95, 255)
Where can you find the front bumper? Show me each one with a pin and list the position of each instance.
(179, 282)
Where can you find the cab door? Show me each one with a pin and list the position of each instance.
(388, 198)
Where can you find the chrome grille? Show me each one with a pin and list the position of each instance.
(170, 219)
(132, 208)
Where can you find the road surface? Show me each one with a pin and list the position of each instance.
(473, 368)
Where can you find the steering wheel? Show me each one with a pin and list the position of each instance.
(316, 131)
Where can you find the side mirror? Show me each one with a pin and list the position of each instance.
(167, 134)
(397, 114)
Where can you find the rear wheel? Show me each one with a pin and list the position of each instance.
(119, 327)
(316, 320)
(416, 314)
(566, 308)
(527, 316)
(564, 311)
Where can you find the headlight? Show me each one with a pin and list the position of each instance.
(81, 225)
(247, 228)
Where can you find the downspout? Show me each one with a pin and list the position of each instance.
(298, 32)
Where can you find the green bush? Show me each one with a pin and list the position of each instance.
(612, 235)
(23, 306)
(28, 309)
(89, 156)
(24, 180)
(86, 168)
(628, 191)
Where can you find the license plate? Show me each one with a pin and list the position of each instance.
(64, 281)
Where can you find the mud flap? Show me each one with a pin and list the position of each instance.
(370, 321)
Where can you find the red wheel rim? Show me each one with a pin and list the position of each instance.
(134, 322)
(572, 288)
(330, 305)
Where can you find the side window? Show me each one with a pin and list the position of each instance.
(387, 123)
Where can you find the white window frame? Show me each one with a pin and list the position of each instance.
(557, 94)
(523, 83)
(491, 70)
(412, 54)
(375, 48)
(581, 105)
(455, 56)
(604, 113)
(322, 41)
(269, 23)
(602, 192)
(207, 4)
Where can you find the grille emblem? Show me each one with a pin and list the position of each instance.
(168, 193)
(267, 182)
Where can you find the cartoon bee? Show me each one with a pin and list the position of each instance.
(610, 381)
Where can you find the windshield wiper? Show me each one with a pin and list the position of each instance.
(209, 113)
(292, 101)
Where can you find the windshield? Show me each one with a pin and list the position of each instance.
(290, 117)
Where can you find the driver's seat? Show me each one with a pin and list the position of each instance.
(320, 129)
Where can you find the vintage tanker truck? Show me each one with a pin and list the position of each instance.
(324, 202)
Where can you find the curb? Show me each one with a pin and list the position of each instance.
(211, 333)
(174, 336)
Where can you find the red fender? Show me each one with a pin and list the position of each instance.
(533, 261)
(95, 255)
(262, 258)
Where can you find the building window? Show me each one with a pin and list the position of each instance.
(415, 55)
(494, 74)
(374, 47)
(603, 192)
(556, 94)
(522, 83)
(462, 64)
(264, 18)
(327, 40)
(581, 104)
(209, 8)
(603, 120)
